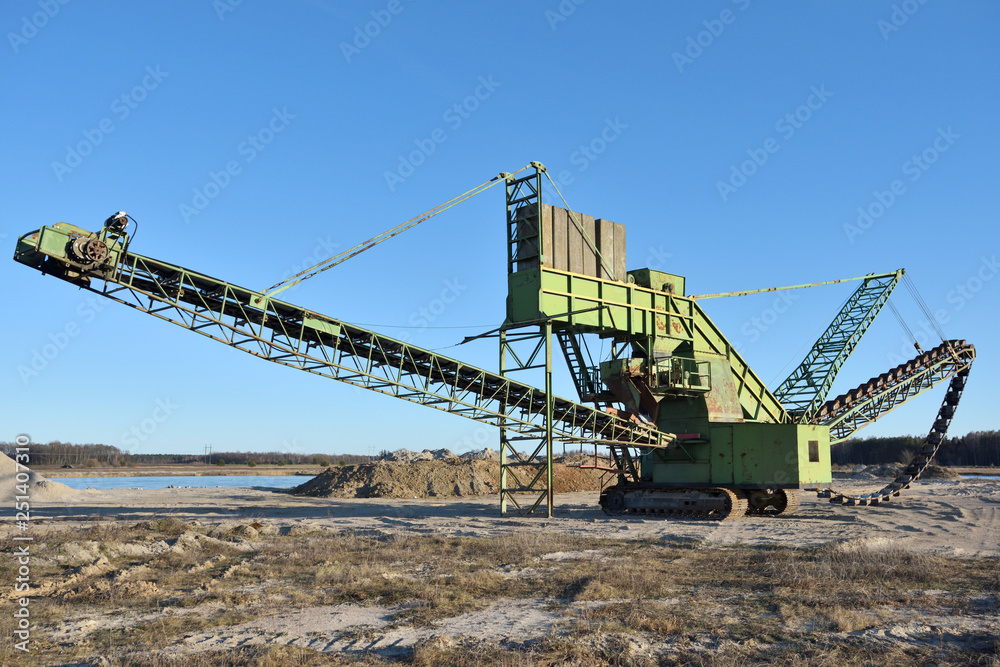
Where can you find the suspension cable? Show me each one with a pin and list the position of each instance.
(912, 288)
(331, 262)
(903, 325)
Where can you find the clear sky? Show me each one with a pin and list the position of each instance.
(744, 144)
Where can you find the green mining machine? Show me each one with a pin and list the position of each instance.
(691, 430)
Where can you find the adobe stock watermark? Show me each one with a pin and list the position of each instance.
(914, 168)
(562, 12)
(714, 27)
(30, 25)
(958, 297)
(899, 17)
(363, 35)
(56, 342)
(223, 7)
(325, 248)
(21, 556)
(658, 258)
(480, 438)
(588, 152)
(121, 107)
(786, 126)
(248, 149)
(142, 431)
(965, 292)
(454, 116)
(758, 325)
(422, 318)
(291, 447)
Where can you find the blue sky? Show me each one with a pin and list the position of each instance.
(740, 142)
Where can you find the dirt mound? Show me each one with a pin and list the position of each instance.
(482, 455)
(890, 471)
(39, 488)
(940, 472)
(434, 478)
(407, 456)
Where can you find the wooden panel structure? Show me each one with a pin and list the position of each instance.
(565, 248)
(576, 243)
(560, 245)
(590, 261)
(606, 244)
(618, 255)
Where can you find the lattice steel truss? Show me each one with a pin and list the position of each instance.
(807, 387)
(292, 336)
(859, 407)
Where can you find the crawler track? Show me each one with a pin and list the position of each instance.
(715, 504)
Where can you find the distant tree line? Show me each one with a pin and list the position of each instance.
(58, 453)
(979, 448)
(62, 453)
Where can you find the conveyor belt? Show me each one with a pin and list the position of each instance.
(296, 337)
(951, 358)
(872, 399)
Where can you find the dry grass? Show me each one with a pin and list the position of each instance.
(619, 598)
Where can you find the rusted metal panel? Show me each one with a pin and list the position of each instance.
(723, 402)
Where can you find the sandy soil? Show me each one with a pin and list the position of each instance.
(942, 517)
(955, 518)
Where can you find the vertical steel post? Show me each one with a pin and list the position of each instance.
(524, 249)
(502, 423)
(549, 409)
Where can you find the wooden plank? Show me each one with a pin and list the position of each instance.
(560, 247)
(589, 256)
(547, 235)
(619, 263)
(575, 244)
(606, 244)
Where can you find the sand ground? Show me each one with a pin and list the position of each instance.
(953, 518)
(942, 518)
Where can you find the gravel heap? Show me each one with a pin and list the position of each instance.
(890, 471)
(408, 456)
(38, 487)
(429, 474)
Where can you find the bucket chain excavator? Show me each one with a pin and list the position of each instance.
(691, 430)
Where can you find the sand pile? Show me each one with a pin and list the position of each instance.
(445, 477)
(940, 472)
(890, 471)
(408, 456)
(39, 488)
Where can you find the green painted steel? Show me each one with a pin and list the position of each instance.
(879, 396)
(639, 314)
(807, 387)
(717, 295)
(746, 456)
(293, 336)
(675, 403)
